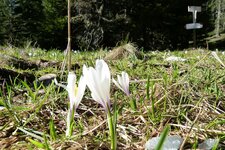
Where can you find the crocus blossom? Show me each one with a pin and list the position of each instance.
(98, 81)
(75, 92)
(75, 96)
(123, 82)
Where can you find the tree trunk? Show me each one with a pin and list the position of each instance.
(217, 25)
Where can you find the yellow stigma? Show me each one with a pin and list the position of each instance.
(76, 89)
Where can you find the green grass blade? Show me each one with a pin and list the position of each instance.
(36, 143)
(153, 99)
(30, 91)
(133, 104)
(53, 134)
(115, 115)
(46, 143)
(148, 88)
(162, 138)
(215, 146)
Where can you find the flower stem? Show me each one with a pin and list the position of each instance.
(112, 130)
(69, 123)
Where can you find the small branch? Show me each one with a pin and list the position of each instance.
(69, 37)
(198, 129)
(85, 133)
(145, 80)
(59, 84)
(193, 123)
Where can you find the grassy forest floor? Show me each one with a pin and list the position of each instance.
(187, 95)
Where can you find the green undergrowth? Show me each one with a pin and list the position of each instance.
(188, 96)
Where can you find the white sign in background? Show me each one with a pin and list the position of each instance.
(194, 25)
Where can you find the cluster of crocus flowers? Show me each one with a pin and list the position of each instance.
(98, 80)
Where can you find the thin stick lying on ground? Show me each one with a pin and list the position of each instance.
(193, 123)
(85, 133)
(198, 129)
(218, 59)
(145, 80)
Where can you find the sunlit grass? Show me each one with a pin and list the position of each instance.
(188, 96)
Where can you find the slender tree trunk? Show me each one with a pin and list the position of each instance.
(217, 25)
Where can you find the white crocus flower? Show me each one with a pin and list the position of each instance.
(123, 82)
(98, 81)
(75, 92)
(75, 96)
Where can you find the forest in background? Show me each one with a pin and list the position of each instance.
(152, 25)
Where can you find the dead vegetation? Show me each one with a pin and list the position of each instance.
(191, 102)
(124, 51)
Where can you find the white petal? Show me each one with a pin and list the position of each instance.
(72, 99)
(102, 79)
(120, 81)
(100, 87)
(100, 101)
(98, 81)
(106, 72)
(105, 87)
(103, 70)
(80, 93)
(126, 82)
(71, 85)
(123, 81)
(89, 74)
(106, 81)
